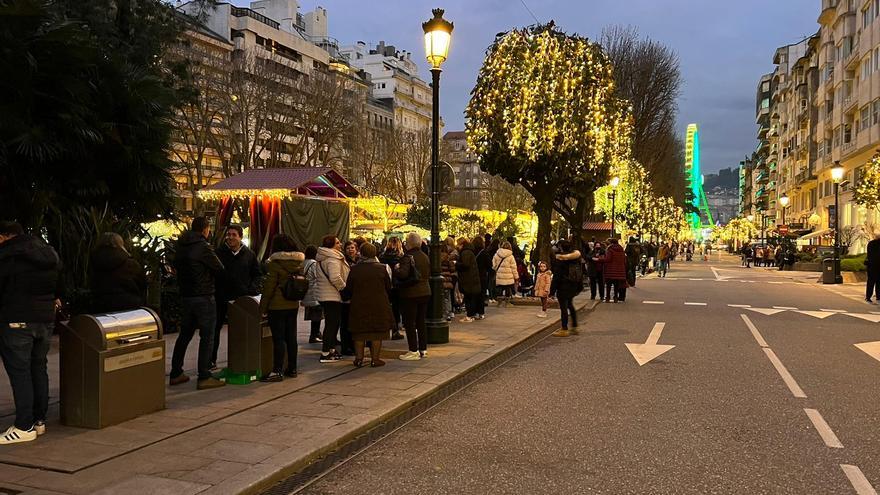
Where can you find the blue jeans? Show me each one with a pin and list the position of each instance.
(198, 312)
(24, 352)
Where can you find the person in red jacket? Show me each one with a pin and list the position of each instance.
(615, 271)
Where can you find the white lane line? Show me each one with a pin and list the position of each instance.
(653, 302)
(777, 283)
(833, 310)
(755, 332)
(695, 304)
(824, 430)
(739, 305)
(858, 480)
(783, 307)
(786, 376)
(695, 279)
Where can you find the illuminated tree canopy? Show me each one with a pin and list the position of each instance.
(867, 191)
(543, 114)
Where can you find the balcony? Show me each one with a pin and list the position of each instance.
(850, 60)
(243, 12)
(849, 102)
(762, 178)
(805, 175)
(847, 148)
(762, 132)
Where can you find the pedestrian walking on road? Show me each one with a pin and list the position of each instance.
(286, 261)
(469, 281)
(567, 283)
(747, 256)
(663, 254)
(332, 273)
(411, 277)
(595, 262)
(542, 287)
(241, 276)
(391, 257)
(615, 272)
(369, 283)
(29, 280)
(633, 258)
(117, 281)
(506, 274)
(197, 268)
(312, 312)
(872, 263)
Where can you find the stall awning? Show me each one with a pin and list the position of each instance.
(816, 234)
(322, 182)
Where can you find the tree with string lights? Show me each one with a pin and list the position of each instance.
(867, 190)
(543, 114)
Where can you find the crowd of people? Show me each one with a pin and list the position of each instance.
(765, 255)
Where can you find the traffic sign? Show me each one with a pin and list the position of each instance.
(783, 229)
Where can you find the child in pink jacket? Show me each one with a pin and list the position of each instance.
(542, 287)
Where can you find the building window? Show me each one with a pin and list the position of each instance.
(875, 117)
(866, 117)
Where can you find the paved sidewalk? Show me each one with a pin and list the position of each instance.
(239, 439)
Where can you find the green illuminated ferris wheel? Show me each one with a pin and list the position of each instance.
(695, 182)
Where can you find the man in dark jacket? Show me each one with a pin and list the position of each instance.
(414, 297)
(241, 276)
(872, 263)
(633, 258)
(196, 266)
(29, 270)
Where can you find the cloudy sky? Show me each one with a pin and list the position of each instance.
(724, 47)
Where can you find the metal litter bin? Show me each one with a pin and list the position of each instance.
(112, 368)
(249, 342)
(828, 273)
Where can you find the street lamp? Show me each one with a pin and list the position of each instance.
(837, 176)
(615, 181)
(438, 35)
(783, 202)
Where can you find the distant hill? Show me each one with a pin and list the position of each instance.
(726, 178)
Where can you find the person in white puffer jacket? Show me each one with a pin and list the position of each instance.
(506, 275)
(332, 271)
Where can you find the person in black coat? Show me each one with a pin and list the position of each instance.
(484, 265)
(29, 280)
(872, 263)
(241, 276)
(118, 282)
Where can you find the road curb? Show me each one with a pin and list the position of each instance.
(301, 472)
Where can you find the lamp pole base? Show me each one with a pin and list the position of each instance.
(436, 324)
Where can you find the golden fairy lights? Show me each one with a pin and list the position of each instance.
(554, 95)
(214, 195)
(867, 187)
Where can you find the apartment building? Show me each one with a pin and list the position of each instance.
(470, 182)
(819, 108)
(394, 77)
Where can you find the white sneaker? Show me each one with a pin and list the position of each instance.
(542, 314)
(14, 435)
(40, 427)
(466, 319)
(410, 356)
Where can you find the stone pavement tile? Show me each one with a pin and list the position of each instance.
(165, 424)
(441, 378)
(184, 443)
(290, 455)
(153, 485)
(308, 423)
(250, 418)
(63, 454)
(211, 474)
(344, 412)
(201, 412)
(249, 452)
(352, 401)
(39, 491)
(244, 482)
(11, 474)
(418, 390)
(416, 377)
(119, 436)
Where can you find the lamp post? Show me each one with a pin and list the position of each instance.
(438, 34)
(615, 181)
(837, 176)
(783, 202)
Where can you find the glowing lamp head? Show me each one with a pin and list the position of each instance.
(814, 219)
(751, 218)
(438, 35)
(784, 200)
(837, 172)
(615, 181)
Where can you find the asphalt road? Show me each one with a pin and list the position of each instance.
(711, 415)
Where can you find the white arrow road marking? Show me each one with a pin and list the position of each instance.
(870, 348)
(824, 430)
(718, 276)
(786, 376)
(645, 353)
(864, 316)
(766, 311)
(858, 480)
(817, 314)
(784, 307)
(755, 332)
(833, 310)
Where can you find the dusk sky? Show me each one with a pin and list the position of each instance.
(724, 48)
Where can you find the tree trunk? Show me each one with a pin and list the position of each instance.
(544, 211)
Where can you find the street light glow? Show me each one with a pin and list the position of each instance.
(837, 173)
(438, 35)
(615, 181)
(784, 200)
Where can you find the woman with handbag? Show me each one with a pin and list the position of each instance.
(368, 285)
(285, 261)
(311, 308)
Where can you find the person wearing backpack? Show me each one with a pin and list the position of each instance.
(285, 286)
(567, 282)
(411, 277)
